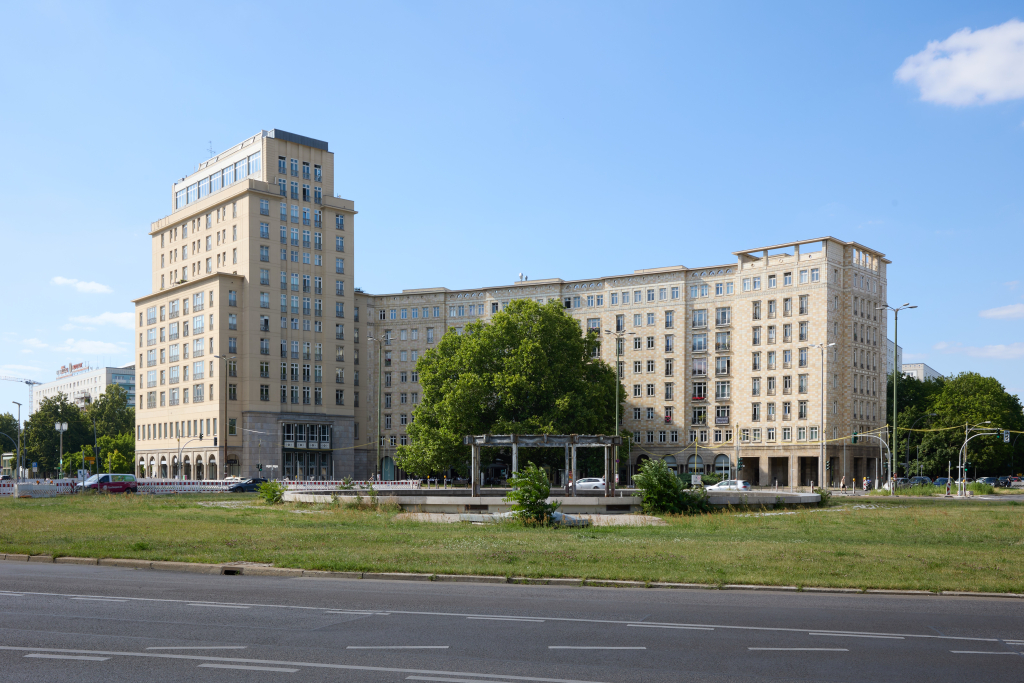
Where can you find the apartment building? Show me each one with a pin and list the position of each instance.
(241, 341)
(920, 371)
(719, 363)
(84, 384)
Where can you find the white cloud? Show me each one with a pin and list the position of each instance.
(968, 68)
(997, 351)
(20, 368)
(85, 287)
(85, 346)
(35, 343)
(120, 319)
(1004, 312)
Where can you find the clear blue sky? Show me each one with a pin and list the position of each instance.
(558, 139)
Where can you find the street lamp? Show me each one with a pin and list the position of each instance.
(821, 400)
(908, 437)
(19, 440)
(61, 427)
(619, 337)
(961, 461)
(896, 370)
(380, 383)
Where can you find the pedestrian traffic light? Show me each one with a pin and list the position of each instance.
(855, 437)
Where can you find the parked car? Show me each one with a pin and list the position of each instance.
(6, 477)
(110, 483)
(942, 481)
(901, 482)
(1008, 480)
(991, 481)
(246, 486)
(729, 485)
(920, 481)
(590, 484)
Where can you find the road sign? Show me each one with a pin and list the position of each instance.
(35, 467)
(695, 480)
(90, 458)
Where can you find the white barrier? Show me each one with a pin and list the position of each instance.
(38, 488)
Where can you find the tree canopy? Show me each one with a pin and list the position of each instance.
(530, 370)
(112, 413)
(965, 398)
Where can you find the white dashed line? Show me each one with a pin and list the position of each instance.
(688, 628)
(855, 635)
(397, 647)
(216, 604)
(529, 621)
(801, 649)
(248, 668)
(103, 599)
(978, 652)
(592, 647)
(85, 659)
(197, 647)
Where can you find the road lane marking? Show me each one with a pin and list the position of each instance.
(539, 619)
(216, 604)
(356, 613)
(529, 621)
(102, 599)
(592, 647)
(978, 652)
(79, 657)
(465, 675)
(247, 668)
(855, 635)
(688, 628)
(801, 649)
(198, 647)
(12, 595)
(448, 680)
(397, 647)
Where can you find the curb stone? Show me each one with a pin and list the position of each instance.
(76, 560)
(285, 572)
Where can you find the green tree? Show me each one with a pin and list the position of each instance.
(117, 453)
(966, 398)
(529, 494)
(111, 412)
(8, 427)
(530, 370)
(41, 440)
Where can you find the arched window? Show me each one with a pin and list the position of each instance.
(199, 468)
(188, 468)
(163, 467)
(723, 465)
(211, 468)
(670, 461)
(695, 464)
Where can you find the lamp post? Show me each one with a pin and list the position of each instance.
(619, 338)
(896, 370)
(821, 400)
(19, 440)
(970, 432)
(380, 385)
(61, 427)
(908, 438)
(224, 424)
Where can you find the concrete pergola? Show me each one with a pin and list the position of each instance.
(570, 442)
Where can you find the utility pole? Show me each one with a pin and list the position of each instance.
(19, 440)
(896, 370)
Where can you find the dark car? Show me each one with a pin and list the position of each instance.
(991, 481)
(110, 483)
(920, 481)
(943, 481)
(247, 486)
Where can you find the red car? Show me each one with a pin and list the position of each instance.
(111, 483)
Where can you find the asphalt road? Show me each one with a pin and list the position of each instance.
(78, 623)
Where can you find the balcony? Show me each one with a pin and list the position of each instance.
(305, 221)
(172, 315)
(722, 347)
(264, 210)
(699, 421)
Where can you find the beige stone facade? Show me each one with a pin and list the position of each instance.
(717, 362)
(243, 336)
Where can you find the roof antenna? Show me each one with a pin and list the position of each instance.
(209, 147)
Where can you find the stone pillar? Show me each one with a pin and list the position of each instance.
(574, 472)
(609, 474)
(515, 455)
(474, 470)
(567, 469)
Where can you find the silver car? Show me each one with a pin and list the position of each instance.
(730, 485)
(590, 484)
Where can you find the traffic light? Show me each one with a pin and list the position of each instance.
(200, 436)
(828, 465)
(739, 463)
(259, 467)
(214, 441)
(855, 437)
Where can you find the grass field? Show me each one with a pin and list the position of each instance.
(903, 544)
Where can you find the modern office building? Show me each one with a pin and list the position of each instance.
(84, 384)
(242, 338)
(920, 371)
(719, 362)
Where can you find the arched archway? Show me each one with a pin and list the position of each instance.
(670, 461)
(723, 466)
(199, 468)
(163, 467)
(695, 464)
(140, 471)
(211, 467)
(187, 468)
(152, 468)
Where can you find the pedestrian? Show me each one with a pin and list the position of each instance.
(842, 484)
(867, 483)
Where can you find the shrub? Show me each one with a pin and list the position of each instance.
(826, 497)
(529, 494)
(661, 489)
(271, 491)
(981, 489)
(694, 502)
